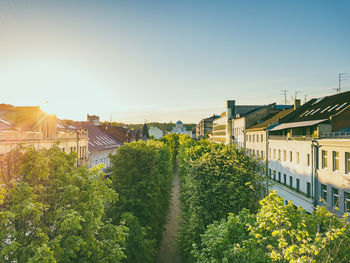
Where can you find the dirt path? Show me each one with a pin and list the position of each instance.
(168, 252)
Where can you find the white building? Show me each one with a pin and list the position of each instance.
(333, 172)
(156, 132)
(180, 129)
(292, 158)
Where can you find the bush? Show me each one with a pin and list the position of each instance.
(142, 175)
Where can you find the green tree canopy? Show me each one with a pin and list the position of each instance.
(54, 212)
(215, 180)
(142, 175)
(277, 233)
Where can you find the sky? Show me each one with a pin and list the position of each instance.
(135, 61)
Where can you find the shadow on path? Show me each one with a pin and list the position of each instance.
(168, 252)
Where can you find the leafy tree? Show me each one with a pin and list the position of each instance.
(215, 180)
(142, 175)
(145, 133)
(55, 212)
(277, 233)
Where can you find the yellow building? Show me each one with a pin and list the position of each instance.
(30, 126)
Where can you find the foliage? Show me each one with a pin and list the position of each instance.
(277, 233)
(164, 126)
(215, 180)
(142, 175)
(54, 212)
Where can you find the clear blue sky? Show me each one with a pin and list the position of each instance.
(168, 60)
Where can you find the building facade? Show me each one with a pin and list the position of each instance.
(29, 126)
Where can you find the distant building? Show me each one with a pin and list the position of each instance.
(246, 120)
(222, 126)
(155, 132)
(205, 127)
(180, 129)
(30, 126)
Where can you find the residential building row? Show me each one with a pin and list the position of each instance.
(305, 148)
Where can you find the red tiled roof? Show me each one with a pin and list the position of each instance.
(99, 140)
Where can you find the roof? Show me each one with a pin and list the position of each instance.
(296, 124)
(99, 140)
(270, 119)
(179, 122)
(321, 108)
(4, 125)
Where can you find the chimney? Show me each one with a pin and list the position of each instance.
(95, 120)
(230, 113)
(296, 103)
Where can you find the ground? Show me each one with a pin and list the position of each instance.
(168, 252)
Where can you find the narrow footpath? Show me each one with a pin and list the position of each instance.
(168, 252)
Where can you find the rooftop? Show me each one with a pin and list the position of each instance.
(270, 119)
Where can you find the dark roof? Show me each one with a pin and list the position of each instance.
(270, 119)
(179, 122)
(99, 140)
(321, 108)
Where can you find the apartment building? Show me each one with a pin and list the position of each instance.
(244, 121)
(101, 144)
(30, 126)
(292, 158)
(205, 127)
(333, 172)
(256, 137)
(222, 126)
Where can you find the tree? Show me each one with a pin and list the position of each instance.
(55, 212)
(215, 180)
(142, 175)
(277, 233)
(145, 133)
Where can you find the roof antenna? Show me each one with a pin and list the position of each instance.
(341, 76)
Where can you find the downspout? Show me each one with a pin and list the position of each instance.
(315, 165)
(267, 160)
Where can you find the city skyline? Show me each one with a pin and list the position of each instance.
(159, 61)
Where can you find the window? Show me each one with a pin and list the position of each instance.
(274, 153)
(262, 154)
(324, 159)
(250, 138)
(284, 179)
(279, 177)
(284, 155)
(290, 181)
(298, 155)
(291, 156)
(324, 192)
(347, 202)
(270, 173)
(279, 155)
(257, 153)
(335, 161)
(274, 175)
(335, 197)
(298, 185)
(257, 138)
(347, 162)
(253, 138)
(308, 159)
(261, 138)
(308, 189)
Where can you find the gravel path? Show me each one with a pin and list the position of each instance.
(168, 252)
